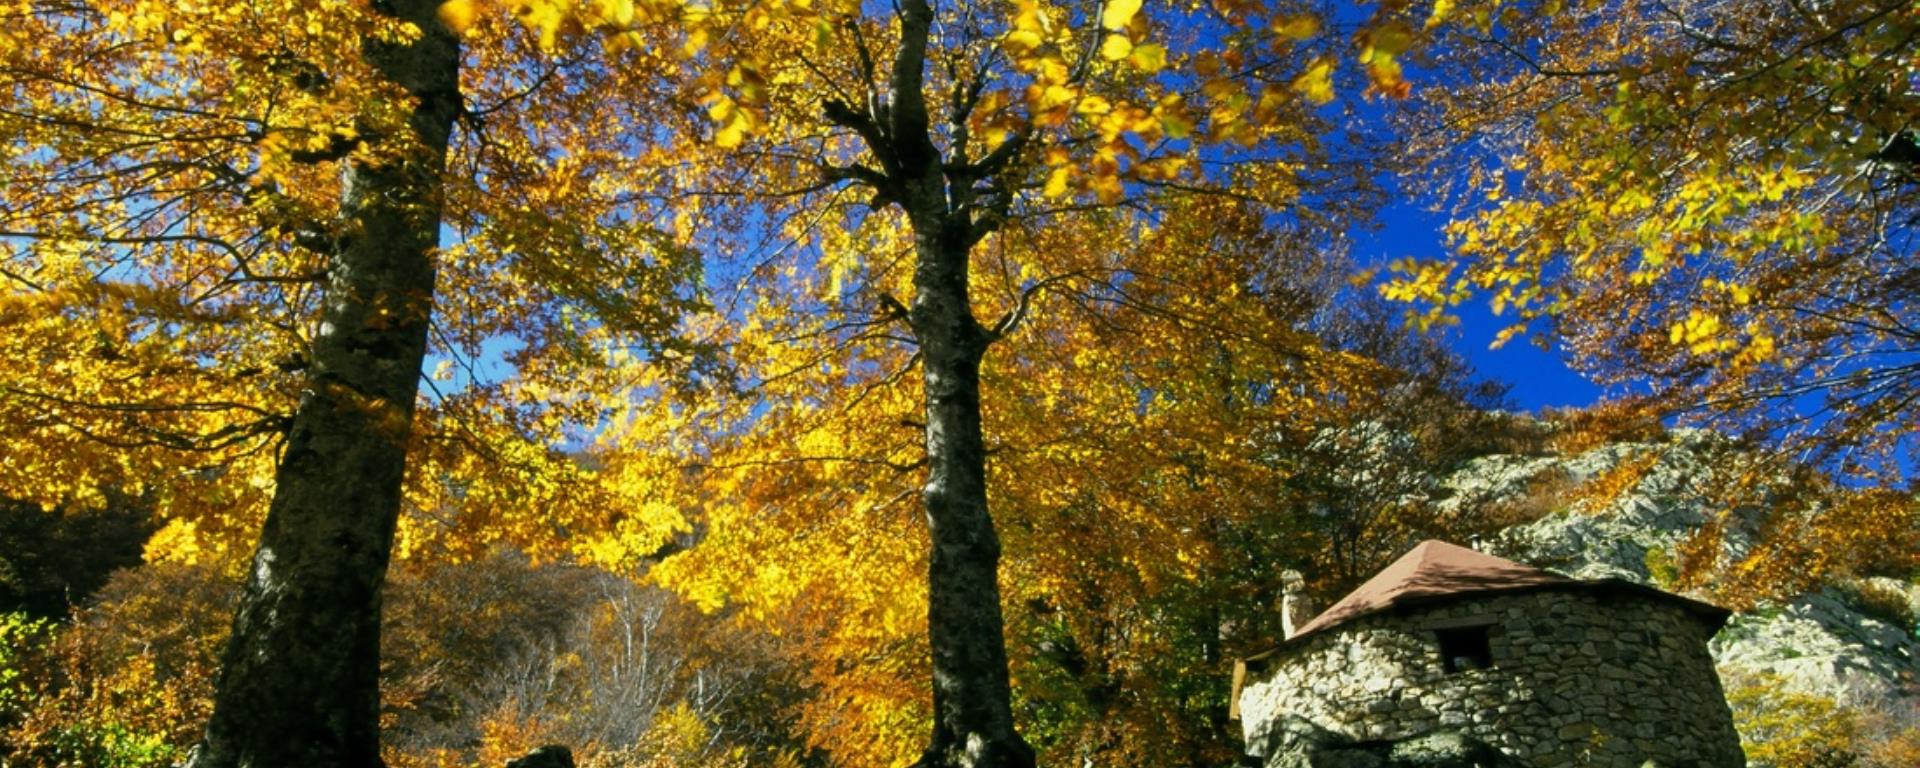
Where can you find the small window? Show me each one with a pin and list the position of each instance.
(1464, 648)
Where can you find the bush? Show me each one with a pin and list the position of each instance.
(1785, 729)
(1780, 728)
(1880, 602)
(129, 681)
(489, 659)
(1662, 570)
(481, 661)
(22, 640)
(1615, 421)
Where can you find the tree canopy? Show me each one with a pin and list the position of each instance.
(980, 361)
(1711, 203)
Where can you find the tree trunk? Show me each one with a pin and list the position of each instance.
(299, 683)
(972, 698)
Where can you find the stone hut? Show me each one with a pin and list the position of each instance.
(1494, 664)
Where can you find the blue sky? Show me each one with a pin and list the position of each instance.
(1540, 378)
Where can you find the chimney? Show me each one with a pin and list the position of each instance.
(1296, 609)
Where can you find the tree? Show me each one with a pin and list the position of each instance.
(1131, 430)
(222, 236)
(949, 122)
(1713, 201)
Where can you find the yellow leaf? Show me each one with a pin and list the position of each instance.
(733, 133)
(616, 12)
(545, 17)
(1296, 27)
(1176, 126)
(1316, 84)
(1149, 58)
(456, 14)
(1116, 47)
(1119, 13)
(1023, 40)
(1392, 39)
(1057, 182)
(1108, 189)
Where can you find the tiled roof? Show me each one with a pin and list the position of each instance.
(1432, 569)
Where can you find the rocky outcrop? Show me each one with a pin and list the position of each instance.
(1816, 643)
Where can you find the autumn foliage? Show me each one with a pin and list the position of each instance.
(800, 375)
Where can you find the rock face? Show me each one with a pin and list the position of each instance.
(1611, 678)
(1816, 643)
(1610, 538)
(1819, 645)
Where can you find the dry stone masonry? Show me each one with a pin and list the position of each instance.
(1454, 645)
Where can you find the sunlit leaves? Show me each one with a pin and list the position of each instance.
(1381, 48)
(1296, 27)
(458, 15)
(168, 244)
(1315, 84)
(1102, 417)
(1119, 13)
(1718, 226)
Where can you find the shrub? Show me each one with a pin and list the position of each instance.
(1662, 569)
(488, 659)
(1613, 421)
(129, 681)
(22, 639)
(1780, 728)
(1879, 602)
(1786, 729)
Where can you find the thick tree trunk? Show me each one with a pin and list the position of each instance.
(972, 699)
(299, 683)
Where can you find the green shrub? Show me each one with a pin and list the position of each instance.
(22, 638)
(1661, 568)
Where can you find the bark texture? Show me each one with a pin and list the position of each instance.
(972, 696)
(973, 718)
(299, 682)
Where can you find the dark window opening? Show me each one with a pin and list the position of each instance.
(1464, 648)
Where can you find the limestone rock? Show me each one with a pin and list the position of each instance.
(1816, 643)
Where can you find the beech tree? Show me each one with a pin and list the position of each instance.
(1712, 203)
(925, 131)
(1130, 427)
(222, 233)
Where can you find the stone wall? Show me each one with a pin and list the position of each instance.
(1579, 677)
